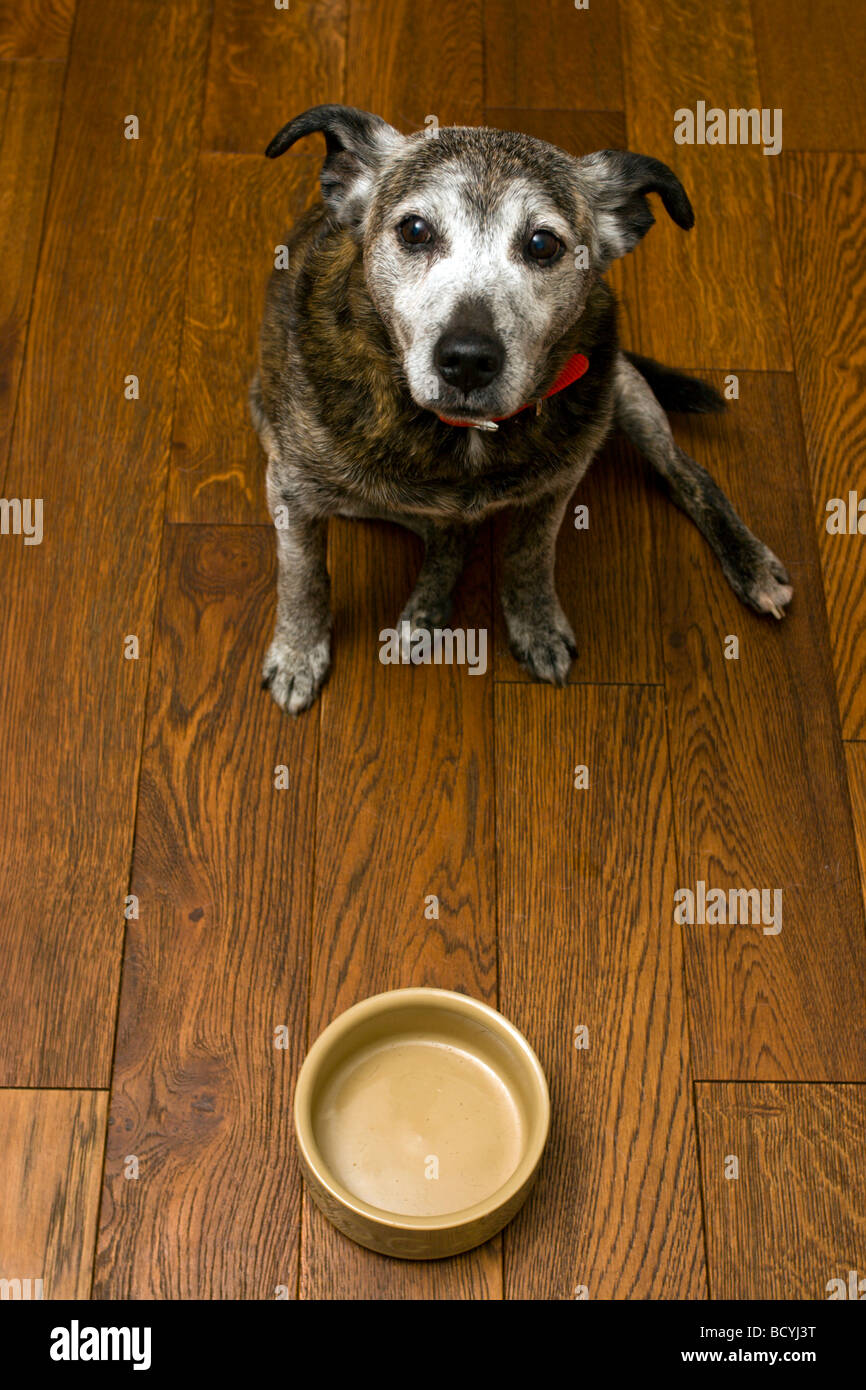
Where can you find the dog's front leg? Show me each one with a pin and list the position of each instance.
(299, 657)
(754, 573)
(539, 632)
(445, 548)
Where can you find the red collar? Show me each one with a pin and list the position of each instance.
(574, 368)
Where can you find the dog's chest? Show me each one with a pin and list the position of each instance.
(476, 473)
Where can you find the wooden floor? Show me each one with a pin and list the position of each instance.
(164, 907)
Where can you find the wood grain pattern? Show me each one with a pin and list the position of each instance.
(822, 220)
(855, 762)
(31, 108)
(577, 132)
(810, 63)
(712, 297)
(553, 55)
(267, 65)
(217, 959)
(757, 769)
(408, 61)
(405, 810)
(50, 1172)
(794, 1217)
(107, 303)
(244, 207)
(7, 72)
(39, 29)
(586, 939)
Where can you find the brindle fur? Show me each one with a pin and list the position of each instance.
(344, 434)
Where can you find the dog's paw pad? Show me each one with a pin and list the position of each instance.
(425, 613)
(769, 588)
(546, 648)
(421, 616)
(295, 678)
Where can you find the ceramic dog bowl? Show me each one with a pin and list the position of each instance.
(420, 1117)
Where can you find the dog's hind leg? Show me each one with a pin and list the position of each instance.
(754, 573)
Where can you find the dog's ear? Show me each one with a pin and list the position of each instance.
(616, 183)
(356, 144)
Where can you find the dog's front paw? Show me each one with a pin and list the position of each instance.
(543, 642)
(424, 612)
(295, 678)
(762, 581)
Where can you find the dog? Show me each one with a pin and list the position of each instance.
(442, 345)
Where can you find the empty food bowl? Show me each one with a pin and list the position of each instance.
(421, 1116)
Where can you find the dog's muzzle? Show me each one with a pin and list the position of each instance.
(576, 366)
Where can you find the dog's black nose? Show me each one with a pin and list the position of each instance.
(468, 360)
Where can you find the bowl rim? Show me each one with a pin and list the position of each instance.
(383, 1003)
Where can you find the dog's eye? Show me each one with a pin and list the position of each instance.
(543, 246)
(415, 231)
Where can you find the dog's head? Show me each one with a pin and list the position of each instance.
(480, 246)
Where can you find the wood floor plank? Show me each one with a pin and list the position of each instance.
(50, 1174)
(244, 207)
(822, 220)
(405, 811)
(586, 940)
(792, 1220)
(39, 29)
(408, 61)
(711, 297)
(217, 959)
(578, 132)
(758, 769)
(855, 761)
(268, 64)
(810, 64)
(27, 136)
(552, 55)
(107, 304)
(7, 72)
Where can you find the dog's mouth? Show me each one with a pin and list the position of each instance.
(474, 408)
(475, 419)
(461, 410)
(454, 409)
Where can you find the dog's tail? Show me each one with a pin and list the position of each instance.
(674, 390)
